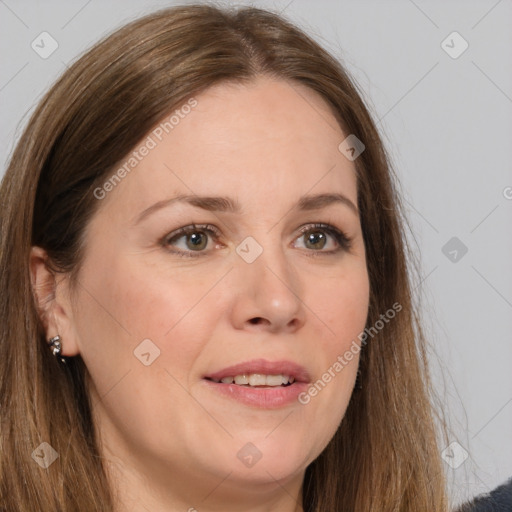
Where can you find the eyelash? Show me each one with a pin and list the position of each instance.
(344, 242)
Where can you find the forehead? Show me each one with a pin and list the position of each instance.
(259, 142)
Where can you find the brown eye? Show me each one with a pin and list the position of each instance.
(190, 239)
(197, 240)
(317, 237)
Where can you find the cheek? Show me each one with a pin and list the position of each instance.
(129, 302)
(145, 303)
(121, 307)
(342, 305)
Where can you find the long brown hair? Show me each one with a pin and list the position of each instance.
(384, 456)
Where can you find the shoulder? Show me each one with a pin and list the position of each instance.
(498, 500)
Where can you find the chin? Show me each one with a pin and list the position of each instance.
(274, 472)
(267, 458)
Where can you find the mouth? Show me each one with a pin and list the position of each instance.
(257, 380)
(261, 373)
(260, 383)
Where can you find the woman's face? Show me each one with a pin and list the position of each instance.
(158, 315)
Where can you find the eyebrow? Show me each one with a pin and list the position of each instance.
(226, 204)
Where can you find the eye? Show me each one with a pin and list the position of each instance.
(195, 239)
(315, 238)
(192, 240)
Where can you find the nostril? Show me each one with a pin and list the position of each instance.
(256, 320)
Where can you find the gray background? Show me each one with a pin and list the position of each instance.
(447, 123)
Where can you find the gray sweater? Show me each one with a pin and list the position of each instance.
(498, 500)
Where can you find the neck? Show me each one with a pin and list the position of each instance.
(141, 487)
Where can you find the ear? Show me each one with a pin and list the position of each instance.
(51, 293)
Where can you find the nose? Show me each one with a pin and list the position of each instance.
(266, 294)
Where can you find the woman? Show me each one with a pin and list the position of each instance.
(206, 298)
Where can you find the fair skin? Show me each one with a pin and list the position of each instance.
(170, 438)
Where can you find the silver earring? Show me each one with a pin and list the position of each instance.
(56, 346)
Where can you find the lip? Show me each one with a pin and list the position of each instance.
(263, 398)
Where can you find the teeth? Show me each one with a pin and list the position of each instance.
(241, 379)
(258, 379)
(275, 380)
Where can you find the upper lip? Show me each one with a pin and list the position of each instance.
(264, 367)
